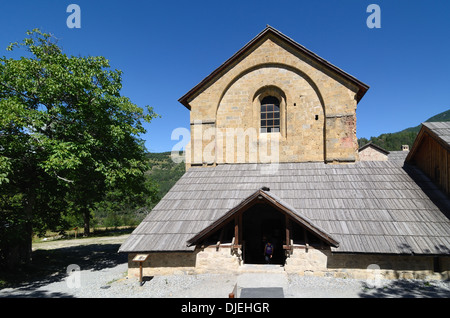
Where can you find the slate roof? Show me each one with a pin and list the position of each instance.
(440, 129)
(368, 207)
(398, 155)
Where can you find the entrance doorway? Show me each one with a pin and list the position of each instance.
(261, 224)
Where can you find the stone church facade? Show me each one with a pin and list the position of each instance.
(329, 213)
(317, 103)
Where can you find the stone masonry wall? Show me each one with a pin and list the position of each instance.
(308, 262)
(371, 154)
(205, 260)
(316, 262)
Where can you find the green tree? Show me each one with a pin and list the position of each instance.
(67, 138)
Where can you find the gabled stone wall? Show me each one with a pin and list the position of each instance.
(318, 109)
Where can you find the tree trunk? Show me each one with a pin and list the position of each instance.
(22, 253)
(28, 244)
(29, 208)
(87, 218)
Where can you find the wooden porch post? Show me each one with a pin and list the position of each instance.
(288, 232)
(236, 230)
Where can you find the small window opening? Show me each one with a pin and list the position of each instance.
(224, 235)
(270, 114)
(302, 237)
(437, 265)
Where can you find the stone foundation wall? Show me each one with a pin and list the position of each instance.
(205, 260)
(308, 262)
(316, 262)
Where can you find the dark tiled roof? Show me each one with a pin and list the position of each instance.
(368, 207)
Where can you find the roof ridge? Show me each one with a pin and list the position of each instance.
(269, 29)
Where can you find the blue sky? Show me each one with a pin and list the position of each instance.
(165, 48)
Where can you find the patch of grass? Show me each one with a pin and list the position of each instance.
(97, 232)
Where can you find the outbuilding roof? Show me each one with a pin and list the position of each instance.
(439, 131)
(368, 207)
(372, 145)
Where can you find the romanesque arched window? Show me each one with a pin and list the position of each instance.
(270, 114)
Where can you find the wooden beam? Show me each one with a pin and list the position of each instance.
(306, 240)
(235, 243)
(233, 294)
(236, 230)
(288, 231)
(220, 238)
(240, 228)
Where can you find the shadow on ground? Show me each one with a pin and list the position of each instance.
(50, 266)
(405, 289)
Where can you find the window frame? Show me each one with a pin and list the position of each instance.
(271, 111)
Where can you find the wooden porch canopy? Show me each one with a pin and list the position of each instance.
(262, 196)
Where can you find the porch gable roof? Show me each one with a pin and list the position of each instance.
(264, 195)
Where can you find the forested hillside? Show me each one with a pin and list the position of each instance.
(394, 141)
(164, 171)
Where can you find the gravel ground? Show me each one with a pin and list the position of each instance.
(103, 274)
(112, 282)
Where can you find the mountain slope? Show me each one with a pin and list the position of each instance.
(394, 141)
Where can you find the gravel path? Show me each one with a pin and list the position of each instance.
(103, 274)
(112, 282)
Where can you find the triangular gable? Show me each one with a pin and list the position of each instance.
(372, 145)
(439, 131)
(263, 196)
(362, 87)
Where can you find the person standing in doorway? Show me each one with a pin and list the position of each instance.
(268, 252)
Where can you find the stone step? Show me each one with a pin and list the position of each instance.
(268, 284)
(262, 280)
(257, 268)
